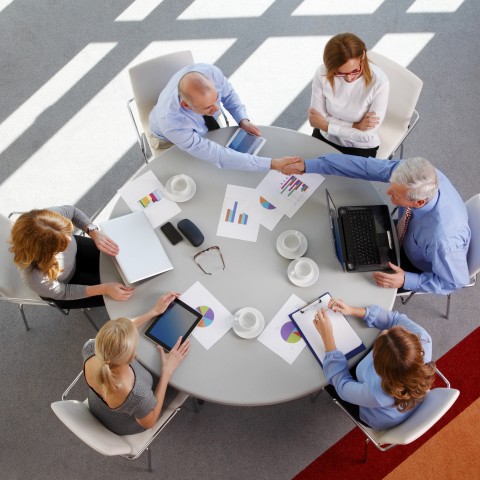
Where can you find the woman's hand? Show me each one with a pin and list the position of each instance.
(172, 360)
(317, 120)
(323, 324)
(369, 121)
(338, 305)
(104, 243)
(163, 302)
(118, 291)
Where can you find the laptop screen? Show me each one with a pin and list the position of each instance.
(337, 243)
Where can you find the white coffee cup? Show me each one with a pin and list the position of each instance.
(292, 242)
(246, 321)
(180, 185)
(303, 270)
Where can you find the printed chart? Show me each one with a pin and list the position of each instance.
(147, 194)
(216, 321)
(208, 316)
(289, 332)
(236, 219)
(281, 335)
(287, 192)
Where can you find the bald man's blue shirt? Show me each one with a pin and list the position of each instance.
(169, 120)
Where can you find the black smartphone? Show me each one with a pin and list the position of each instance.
(171, 233)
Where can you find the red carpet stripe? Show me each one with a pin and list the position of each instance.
(461, 365)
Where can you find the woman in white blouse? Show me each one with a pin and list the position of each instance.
(349, 97)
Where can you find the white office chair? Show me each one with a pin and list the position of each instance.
(435, 405)
(401, 116)
(76, 416)
(148, 79)
(473, 255)
(12, 287)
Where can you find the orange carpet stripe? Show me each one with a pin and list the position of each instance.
(455, 450)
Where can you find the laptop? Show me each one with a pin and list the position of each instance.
(141, 253)
(364, 237)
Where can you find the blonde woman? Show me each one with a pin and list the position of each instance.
(121, 393)
(392, 380)
(60, 266)
(349, 97)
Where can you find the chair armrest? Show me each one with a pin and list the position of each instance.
(65, 393)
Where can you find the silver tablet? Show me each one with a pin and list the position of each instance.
(245, 142)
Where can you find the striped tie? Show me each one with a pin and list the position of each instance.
(402, 225)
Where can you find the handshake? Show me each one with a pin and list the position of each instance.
(288, 165)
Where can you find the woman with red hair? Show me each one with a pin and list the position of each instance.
(392, 380)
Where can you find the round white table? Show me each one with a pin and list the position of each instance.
(236, 371)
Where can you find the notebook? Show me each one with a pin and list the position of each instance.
(141, 253)
(364, 237)
(346, 339)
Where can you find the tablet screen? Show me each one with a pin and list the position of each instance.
(178, 320)
(245, 142)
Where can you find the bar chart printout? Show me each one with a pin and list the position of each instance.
(230, 216)
(236, 219)
(293, 184)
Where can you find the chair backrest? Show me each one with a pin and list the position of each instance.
(77, 417)
(434, 406)
(149, 78)
(12, 287)
(405, 88)
(473, 257)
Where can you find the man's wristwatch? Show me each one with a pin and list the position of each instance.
(90, 228)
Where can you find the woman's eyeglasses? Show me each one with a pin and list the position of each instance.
(357, 71)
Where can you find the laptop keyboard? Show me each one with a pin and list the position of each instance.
(359, 226)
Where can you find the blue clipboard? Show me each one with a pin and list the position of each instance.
(346, 339)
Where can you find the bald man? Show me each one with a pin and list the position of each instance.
(189, 106)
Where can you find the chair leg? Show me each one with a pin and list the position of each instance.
(149, 459)
(89, 318)
(449, 297)
(406, 300)
(367, 441)
(20, 306)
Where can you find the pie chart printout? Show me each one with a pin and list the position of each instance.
(208, 316)
(290, 333)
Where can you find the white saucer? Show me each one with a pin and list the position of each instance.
(303, 283)
(301, 251)
(181, 198)
(250, 333)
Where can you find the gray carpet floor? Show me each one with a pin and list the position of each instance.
(38, 39)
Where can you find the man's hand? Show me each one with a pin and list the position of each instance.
(288, 165)
(249, 127)
(390, 280)
(104, 243)
(317, 120)
(370, 120)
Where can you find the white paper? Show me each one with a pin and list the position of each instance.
(217, 320)
(236, 218)
(288, 192)
(158, 208)
(346, 339)
(281, 336)
(267, 213)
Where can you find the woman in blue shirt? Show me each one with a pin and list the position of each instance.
(393, 378)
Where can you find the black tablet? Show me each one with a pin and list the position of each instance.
(178, 320)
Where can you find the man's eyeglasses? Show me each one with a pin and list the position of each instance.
(210, 260)
(357, 71)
